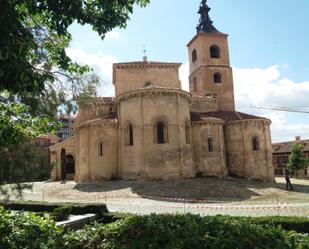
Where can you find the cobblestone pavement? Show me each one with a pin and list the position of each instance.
(198, 196)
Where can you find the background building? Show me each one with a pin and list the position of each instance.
(66, 130)
(281, 153)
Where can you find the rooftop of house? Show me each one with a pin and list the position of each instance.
(286, 147)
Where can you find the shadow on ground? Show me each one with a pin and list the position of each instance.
(6, 190)
(203, 189)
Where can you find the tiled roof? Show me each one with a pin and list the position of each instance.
(285, 147)
(224, 115)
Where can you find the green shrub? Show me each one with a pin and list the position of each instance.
(29, 231)
(26, 230)
(298, 224)
(49, 207)
(106, 218)
(61, 213)
(184, 232)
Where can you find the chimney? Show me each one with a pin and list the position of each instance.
(297, 139)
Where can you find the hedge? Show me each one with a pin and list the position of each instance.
(298, 224)
(61, 213)
(26, 230)
(50, 207)
(184, 232)
(29, 231)
(289, 223)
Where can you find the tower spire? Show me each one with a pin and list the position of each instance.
(205, 24)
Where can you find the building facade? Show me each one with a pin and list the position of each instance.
(66, 129)
(281, 153)
(154, 130)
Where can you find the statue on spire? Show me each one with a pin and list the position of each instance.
(205, 24)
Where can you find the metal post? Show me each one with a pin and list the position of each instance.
(278, 208)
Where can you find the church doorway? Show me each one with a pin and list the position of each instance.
(70, 167)
(67, 166)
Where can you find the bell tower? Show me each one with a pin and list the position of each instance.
(210, 70)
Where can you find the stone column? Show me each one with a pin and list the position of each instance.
(84, 154)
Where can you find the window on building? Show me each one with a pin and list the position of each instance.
(194, 56)
(210, 145)
(161, 132)
(256, 144)
(217, 78)
(101, 149)
(188, 132)
(214, 52)
(129, 135)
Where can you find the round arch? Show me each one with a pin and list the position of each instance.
(70, 164)
(214, 52)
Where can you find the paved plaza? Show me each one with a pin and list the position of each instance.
(205, 196)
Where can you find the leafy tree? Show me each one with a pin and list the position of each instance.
(36, 75)
(34, 35)
(88, 92)
(17, 124)
(297, 159)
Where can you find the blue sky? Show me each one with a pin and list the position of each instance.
(268, 42)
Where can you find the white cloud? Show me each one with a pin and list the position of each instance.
(184, 76)
(265, 87)
(113, 35)
(102, 65)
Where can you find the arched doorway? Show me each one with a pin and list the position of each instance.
(70, 167)
(63, 165)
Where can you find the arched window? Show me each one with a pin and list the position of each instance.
(214, 52)
(161, 132)
(101, 149)
(194, 56)
(188, 132)
(210, 145)
(129, 135)
(256, 144)
(217, 78)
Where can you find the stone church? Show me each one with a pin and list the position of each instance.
(154, 130)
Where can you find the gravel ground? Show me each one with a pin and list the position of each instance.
(205, 196)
